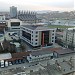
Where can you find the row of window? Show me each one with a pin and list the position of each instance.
(52, 40)
(35, 39)
(30, 30)
(35, 32)
(35, 35)
(53, 30)
(35, 43)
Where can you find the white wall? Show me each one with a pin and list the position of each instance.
(13, 20)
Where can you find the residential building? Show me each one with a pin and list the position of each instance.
(13, 12)
(69, 37)
(37, 35)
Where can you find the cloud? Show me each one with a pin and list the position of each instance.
(38, 4)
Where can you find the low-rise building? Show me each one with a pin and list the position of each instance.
(62, 52)
(39, 55)
(37, 35)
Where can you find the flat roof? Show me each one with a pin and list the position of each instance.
(5, 56)
(43, 51)
(62, 51)
(20, 54)
(37, 27)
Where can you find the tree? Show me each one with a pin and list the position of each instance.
(23, 47)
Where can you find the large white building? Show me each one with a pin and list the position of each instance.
(14, 24)
(37, 35)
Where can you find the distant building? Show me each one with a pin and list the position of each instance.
(38, 35)
(28, 17)
(2, 23)
(69, 37)
(3, 26)
(13, 12)
(2, 18)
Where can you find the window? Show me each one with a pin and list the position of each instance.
(36, 39)
(32, 42)
(52, 41)
(15, 23)
(32, 35)
(53, 34)
(32, 39)
(52, 37)
(26, 35)
(53, 30)
(35, 43)
(36, 32)
(32, 31)
(36, 36)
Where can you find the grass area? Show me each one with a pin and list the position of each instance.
(60, 26)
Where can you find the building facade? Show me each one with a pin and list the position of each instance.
(40, 55)
(69, 37)
(2, 18)
(13, 12)
(37, 35)
(14, 24)
(28, 17)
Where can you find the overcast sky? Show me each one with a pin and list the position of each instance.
(33, 5)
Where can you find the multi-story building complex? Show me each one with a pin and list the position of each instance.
(14, 24)
(28, 17)
(37, 35)
(69, 37)
(13, 12)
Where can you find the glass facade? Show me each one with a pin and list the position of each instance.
(15, 23)
(26, 35)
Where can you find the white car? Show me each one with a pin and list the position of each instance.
(6, 63)
(2, 63)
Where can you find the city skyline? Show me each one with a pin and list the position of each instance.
(36, 5)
